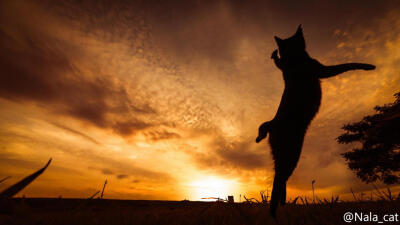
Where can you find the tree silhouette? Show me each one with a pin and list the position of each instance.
(378, 155)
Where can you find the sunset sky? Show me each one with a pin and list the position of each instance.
(164, 98)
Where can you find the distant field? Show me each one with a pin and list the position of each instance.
(82, 211)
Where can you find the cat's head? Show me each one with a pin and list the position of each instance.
(292, 46)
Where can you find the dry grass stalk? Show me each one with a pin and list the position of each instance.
(4, 179)
(94, 195)
(102, 192)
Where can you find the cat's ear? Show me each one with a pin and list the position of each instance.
(299, 31)
(300, 38)
(278, 40)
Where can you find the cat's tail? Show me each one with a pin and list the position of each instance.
(263, 130)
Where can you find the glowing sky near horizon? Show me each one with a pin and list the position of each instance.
(164, 99)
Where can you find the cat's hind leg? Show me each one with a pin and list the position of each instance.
(286, 152)
(283, 195)
(278, 196)
(278, 190)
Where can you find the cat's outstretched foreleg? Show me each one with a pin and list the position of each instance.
(330, 71)
(263, 130)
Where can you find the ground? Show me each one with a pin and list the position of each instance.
(104, 212)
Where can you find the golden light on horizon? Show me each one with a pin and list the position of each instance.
(212, 187)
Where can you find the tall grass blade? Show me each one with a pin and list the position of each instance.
(14, 189)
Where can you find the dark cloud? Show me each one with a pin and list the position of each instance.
(194, 31)
(122, 176)
(107, 172)
(11, 159)
(38, 70)
(225, 155)
(130, 127)
(156, 135)
(94, 159)
(189, 30)
(241, 155)
(33, 73)
(78, 133)
(118, 21)
(14, 161)
(122, 170)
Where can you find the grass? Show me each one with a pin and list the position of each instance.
(103, 212)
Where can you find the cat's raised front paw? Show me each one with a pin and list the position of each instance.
(274, 54)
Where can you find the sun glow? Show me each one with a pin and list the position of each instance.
(212, 187)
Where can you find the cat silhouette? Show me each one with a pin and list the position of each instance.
(299, 104)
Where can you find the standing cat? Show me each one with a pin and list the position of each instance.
(299, 105)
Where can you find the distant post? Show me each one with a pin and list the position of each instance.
(230, 199)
